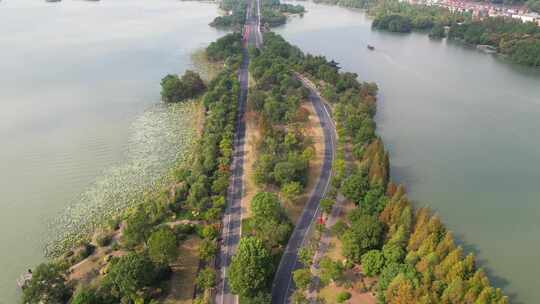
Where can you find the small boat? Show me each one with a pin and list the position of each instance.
(370, 47)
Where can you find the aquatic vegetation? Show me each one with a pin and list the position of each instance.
(161, 139)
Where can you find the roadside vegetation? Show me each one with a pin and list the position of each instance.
(133, 258)
(408, 251)
(280, 172)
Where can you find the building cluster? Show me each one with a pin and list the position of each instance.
(484, 9)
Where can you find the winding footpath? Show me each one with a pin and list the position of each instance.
(283, 285)
(232, 218)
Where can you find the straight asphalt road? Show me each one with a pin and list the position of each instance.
(232, 218)
(283, 285)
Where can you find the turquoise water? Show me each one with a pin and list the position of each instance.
(463, 131)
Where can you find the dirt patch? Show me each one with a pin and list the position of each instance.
(88, 270)
(250, 156)
(182, 283)
(312, 129)
(361, 288)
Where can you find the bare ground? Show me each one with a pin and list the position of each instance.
(313, 129)
(182, 282)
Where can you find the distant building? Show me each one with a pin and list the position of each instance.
(530, 17)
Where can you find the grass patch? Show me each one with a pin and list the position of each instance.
(182, 283)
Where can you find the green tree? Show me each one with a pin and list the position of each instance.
(354, 186)
(305, 256)
(207, 249)
(162, 247)
(266, 205)
(175, 89)
(372, 262)
(269, 216)
(302, 278)
(48, 285)
(193, 84)
(365, 234)
(393, 253)
(138, 226)
(291, 191)
(391, 270)
(251, 268)
(85, 295)
(171, 88)
(326, 205)
(331, 270)
(130, 273)
(206, 278)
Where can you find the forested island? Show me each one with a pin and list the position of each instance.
(519, 41)
(273, 13)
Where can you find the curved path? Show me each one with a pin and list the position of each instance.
(283, 285)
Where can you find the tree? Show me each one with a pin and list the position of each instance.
(326, 205)
(393, 253)
(251, 268)
(391, 270)
(193, 84)
(265, 205)
(162, 247)
(206, 278)
(291, 191)
(130, 273)
(372, 262)
(85, 295)
(437, 32)
(175, 89)
(354, 186)
(138, 227)
(305, 256)
(269, 216)
(48, 285)
(330, 270)
(365, 234)
(207, 249)
(302, 278)
(171, 88)
(284, 172)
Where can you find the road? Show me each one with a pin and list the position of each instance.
(283, 285)
(232, 218)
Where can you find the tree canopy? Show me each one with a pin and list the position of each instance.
(251, 268)
(175, 89)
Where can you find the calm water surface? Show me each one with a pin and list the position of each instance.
(79, 90)
(463, 130)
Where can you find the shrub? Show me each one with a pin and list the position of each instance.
(103, 239)
(343, 296)
(372, 262)
(206, 279)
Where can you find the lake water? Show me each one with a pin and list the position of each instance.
(79, 97)
(463, 132)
